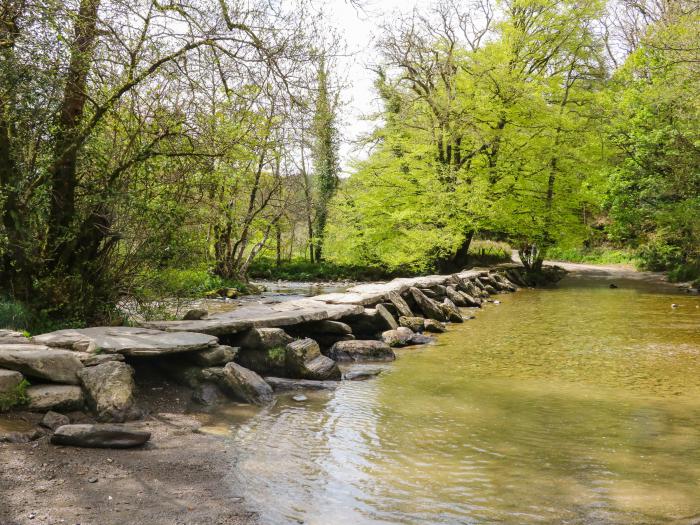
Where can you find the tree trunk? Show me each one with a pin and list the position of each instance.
(63, 175)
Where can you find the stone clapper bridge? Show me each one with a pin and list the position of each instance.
(246, 354)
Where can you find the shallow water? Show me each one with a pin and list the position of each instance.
(574, 405)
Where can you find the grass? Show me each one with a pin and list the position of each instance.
(15, 398)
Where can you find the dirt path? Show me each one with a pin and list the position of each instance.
(179, 478)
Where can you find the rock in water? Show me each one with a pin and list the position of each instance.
(417, 324)
(216, 356)
(451, 311)
(420, 339)
(55, 397)
(362, 351)
(53, 420)
(613, 286)
(431, 309)
(110, 391)
(387, 317)
(399, 337)
(434, 326)
(304, 360)
(58, 366)
(456, 297)
(99, 436)
(300, 398)
(241, 383)
(362, 374)
(283, 384)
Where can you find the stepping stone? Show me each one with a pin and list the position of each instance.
(99, 436)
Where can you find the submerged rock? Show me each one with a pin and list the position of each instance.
(241, 383)
(42, 398)
(362, 374)
(420, 339)
(99, 436)
(300, 398)
(362, 351)
(283, 384)
(58, 366)
(304, 360)
(110, 391)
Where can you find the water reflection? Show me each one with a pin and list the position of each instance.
(579, 405)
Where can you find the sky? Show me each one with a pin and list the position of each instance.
(359, 28)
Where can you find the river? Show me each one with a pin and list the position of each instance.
(577, 405)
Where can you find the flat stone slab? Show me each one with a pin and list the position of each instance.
(133, 341)
(287, 313)
(59, 366)
(54, 397)
(99, 436)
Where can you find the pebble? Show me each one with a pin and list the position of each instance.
(92, 480)
(300, 397)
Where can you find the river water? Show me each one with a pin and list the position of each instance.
(577, 405)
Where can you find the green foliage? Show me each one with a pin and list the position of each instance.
(592, 255)
(304, 270)
(17, 397)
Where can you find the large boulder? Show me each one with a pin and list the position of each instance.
(362, 351)
(215, 356)
(324, 327)
(59, 366)
(304, 360)
(63, 398)
(128, 340)
(99, 436)
(385, 314)
(241, 383)
(452, 312)
(400, 304)
(110, 391)
(400, 337)
(416, 324)
(195, 314)
(262, 339)
(430, 308)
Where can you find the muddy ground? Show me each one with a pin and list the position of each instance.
(181, 477)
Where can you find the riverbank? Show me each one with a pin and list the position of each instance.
(181, 475)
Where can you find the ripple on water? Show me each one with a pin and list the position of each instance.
(579, 405)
